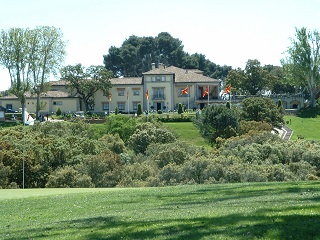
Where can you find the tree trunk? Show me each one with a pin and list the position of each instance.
(38, 104)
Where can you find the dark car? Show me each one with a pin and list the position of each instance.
(11, 111)
(7, 110)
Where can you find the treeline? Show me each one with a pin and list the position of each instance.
(137, 53)
(137, 152)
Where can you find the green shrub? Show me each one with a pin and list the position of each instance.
(180, 110)
(58, 112)
(139, 111)
(148, 133)
(68, 177)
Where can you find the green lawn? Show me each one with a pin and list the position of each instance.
(289, 210)
(187, 131)
(307, 128)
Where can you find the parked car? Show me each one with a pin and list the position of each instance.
(7, 110)
(11, 111)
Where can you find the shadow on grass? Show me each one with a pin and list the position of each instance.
(234, 226)
(309, 112)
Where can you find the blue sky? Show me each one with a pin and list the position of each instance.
(227, 32)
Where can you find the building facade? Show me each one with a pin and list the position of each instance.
(161, 88)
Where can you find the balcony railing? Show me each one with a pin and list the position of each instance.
(159, 97)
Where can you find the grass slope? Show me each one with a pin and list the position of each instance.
(224, 211)
(307, 128)
(188, 132)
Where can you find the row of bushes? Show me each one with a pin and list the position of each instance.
(76, 155)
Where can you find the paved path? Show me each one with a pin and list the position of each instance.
(287, 133)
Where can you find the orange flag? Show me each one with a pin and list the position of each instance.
(205, 92)
(147, 95)
(185, 91)
(228, 89)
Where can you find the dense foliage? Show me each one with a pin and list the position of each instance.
(262, 110)
(302, 62)
(85, 82)
(137, 53)
(143, 152)
(218, 121)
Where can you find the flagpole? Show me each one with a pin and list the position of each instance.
(208, 94)
(230, 95)
(188, 98)
(24, 149)
(128, 99)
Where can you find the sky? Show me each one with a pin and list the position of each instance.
(227, 32)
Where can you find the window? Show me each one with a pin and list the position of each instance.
(90, 107)
(121, 106)
(158, 78)
(105, 106)
(158, 93)
(57, 103)
(163, 78)
(136, 92)
(153, 79)
(120, 92)
(8, 106)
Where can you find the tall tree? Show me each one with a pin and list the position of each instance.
(14, 55)
(252, 80)
(46, 56)
(277, 81)
(137, 53)
(302, 63)
(218, 121)
(85, 82)
(30, 55)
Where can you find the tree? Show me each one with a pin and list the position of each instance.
(217, 121)
(139, 111)
(148, 133)
(30, 55)
(85, 83)
(14, 55)
(302, 63)
(262, 110)
(137, 53)
(277, 82)
(47, 54)
(252, 80)
(180, 110)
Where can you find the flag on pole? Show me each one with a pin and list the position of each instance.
(147, 95)
(28, 119)
(185, 91)
(228, 89)
(205, 92)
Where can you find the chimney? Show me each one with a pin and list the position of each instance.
(153, 66)
(161, 66)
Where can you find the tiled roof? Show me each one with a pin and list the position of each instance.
(182, 75)
(57, 94)
(58, 83)
(158, 71)
(114, 81)
(126, 81)
(49, 94)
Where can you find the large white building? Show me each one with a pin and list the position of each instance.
(163, 85)
(166, 87)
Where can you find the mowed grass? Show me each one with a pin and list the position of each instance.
(307, 128)
(287, 210)
(187, 131)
